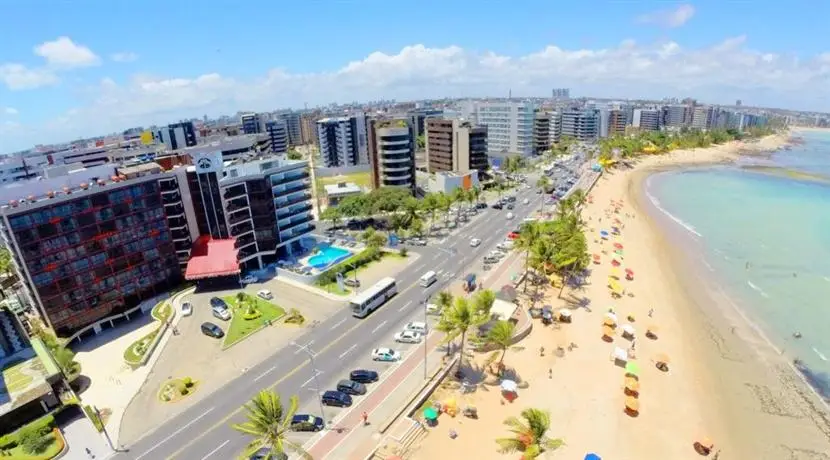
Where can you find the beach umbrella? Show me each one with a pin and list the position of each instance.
(592, 457)
(615, 262)
(632, 368)
(611, 317)
(618, 245)
(509, 386)
(632, 385)
(608, 331)
(430, 413)
(632, 404)
(608, 322)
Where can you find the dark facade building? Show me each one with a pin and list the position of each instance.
(392, 153)
(455, 146)
(252, 123)
(177, 135)
(278, 134)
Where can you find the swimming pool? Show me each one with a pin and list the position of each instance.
(328, 255)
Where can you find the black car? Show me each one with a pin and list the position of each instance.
(481, 205)
(306, 422)
(363, 376)
(265, 452)
(497, 206)
(217, 302)
(337, 398)
(212, 330)
(510, 207)
(350, 387)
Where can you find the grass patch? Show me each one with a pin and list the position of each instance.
(175, 390)
(15, 379)
(38, 440)
(136, 351)
(52, 442)
(242, 325)
(361, 179)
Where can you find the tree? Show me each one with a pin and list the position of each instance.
(543, 183)
(293, 154)
(530, 234)
(529, 434)
(484, 300)
(475, 192)
(332, 215)
(6, 264)
(269, 423)
(462, 317)
(501, 335)
(65, 359)
(372, 238)
(444, 300)
(431, 204)
(420, 142)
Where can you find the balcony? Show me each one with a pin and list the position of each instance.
(244, 241)
(284, 178)
(285, 224)
(397, 181)
(170, 198)
(396, 159)
(398, 169)
(297, 231)
(168, 185)
(239, 218)
(176, 222)
(384, 150)
(293, 210)
(234, 207)
(283, 201)
(282, 190)
(242, 229)
(174, 209)
(234, 191)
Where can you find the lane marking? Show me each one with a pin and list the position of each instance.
(316, 374)
(338, 324)
(378, 327)
(405, 306)
(184, 427)
(264, 373)
(437, 256)
(217, 449)
(348, 351)
(418, 268)
(303, 347)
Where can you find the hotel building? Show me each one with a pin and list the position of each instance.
(392, 153)
(509, 126)
(581, 124)
(343, 141)
(455, 145)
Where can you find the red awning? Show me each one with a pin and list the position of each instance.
(210, 258)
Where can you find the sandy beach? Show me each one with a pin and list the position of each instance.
(724, 380)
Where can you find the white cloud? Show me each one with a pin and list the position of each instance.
(19, 77)
(125, 56)
(10, 111)
(670, 18)
(719, 73)
(63, 52)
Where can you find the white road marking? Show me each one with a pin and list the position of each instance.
(419, 267)
(437, 256)
(347, 351)
(184, 427)
(302, 350)
(316, 374)
(378, 327)
(338, 324)
(215, 450)
(405, 306)
(264, 373)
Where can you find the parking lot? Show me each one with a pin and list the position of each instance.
(195, 355)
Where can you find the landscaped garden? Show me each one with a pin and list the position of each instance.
(352, 266)
(39, 440)
(175, 390)
(15, 379)
(135, 353)
(250, 314)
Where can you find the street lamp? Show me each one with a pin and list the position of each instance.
(426, 304)
(314, 374)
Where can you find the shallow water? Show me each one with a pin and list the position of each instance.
(766, 240)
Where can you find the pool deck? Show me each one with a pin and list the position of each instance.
(351, 251)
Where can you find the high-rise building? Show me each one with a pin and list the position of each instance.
(561, 93)
(343, 141)
(555, 127)
(700, 117)
(177, 135)
(253, 123)
(455, 146)
(541, 132)
(509, 126)
(308, 129)
(292, 123)
(392, 153)
(674, 116)
(581, 124)
(617, 121)
(646, 119)
(417, 119)
(278, 134)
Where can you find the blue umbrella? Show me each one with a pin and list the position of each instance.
(592, 457)
(603, 233)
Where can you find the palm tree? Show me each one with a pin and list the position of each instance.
(444, 300)
(331, 214)
(430, 204)
(463, 316)
(543, 182)
(530, 234)
(529, 434)
(484, 300)
(269, 423)
(501, 335)
(372, 238)
(476, 193)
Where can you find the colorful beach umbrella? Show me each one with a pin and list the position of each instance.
(615, 262)
(430, 413)
(632, 368)
(608, 331)
(618, 245)
(632, 404)
(632, 385)
(592, 457)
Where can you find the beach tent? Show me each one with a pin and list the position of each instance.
(628, 330)
(619, 354)
(611, 317)
(565, 315)
(509, 386)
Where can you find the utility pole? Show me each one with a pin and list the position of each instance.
(426, 303)
(314, 374)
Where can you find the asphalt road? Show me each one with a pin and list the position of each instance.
(203, 431)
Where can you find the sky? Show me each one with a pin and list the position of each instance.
(71, 69)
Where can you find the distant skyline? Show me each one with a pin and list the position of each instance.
(77, 69)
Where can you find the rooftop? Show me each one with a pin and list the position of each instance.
(343, 188)
(25, 380)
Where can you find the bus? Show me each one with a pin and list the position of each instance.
(369, 300)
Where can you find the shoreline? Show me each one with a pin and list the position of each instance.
(750, 399)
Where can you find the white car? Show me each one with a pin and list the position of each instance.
(249, 279)
(510, 215)
(433, 309)
(416, 326)
(265, 294)
(187, 309)
(475, 242)
(222, 313)
(408, 337)
(385, 354)
(526, 201)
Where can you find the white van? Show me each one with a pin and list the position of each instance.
(416, 326)
(265, 294)
(429, 278)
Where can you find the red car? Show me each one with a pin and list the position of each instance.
(513, 235)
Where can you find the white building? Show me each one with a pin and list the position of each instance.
(343, 141)
(509, 126)
(340, 190)
(448, 181)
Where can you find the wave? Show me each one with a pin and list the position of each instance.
(756, 288)
(671, 216)
(820, 354)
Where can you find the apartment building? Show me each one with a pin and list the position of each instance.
(455, 146)
(343, 141)
(293, 124)
(581, 124)
(647, 119)
(392, 153)
(617, 120)
(541, 132)
(555, 129)
(253, 123)
(417, 118)
(278, 135)
(700, 117)
(509, 126)
(96, 242)
(177, 135)
(674, 116)
(308, 129)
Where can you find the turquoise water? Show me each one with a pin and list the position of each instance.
(767, 242)
(328, 255)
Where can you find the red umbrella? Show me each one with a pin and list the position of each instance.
(596, 256)
(618, 245)
(615, 263)
(629, 271)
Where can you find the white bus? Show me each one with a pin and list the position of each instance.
(429, 278)
(372, 298)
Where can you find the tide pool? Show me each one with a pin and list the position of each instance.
(766, 240)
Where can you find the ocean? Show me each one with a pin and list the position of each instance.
(766, 241)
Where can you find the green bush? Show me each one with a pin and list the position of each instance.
(403, 252)
(33, 440)
(90, 412)
(251, 315)
(42, 425)
(367, 256)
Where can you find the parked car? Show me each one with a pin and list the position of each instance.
(306, 422)
(265, 453)
(526, 201)
(385, 354)
(222, 313)
(217, 302)
(363, 376)
(510, 207)
(212, 330)
(408, 337)
(249, 279)
(475, 242)
(497, 206)
(481, 205)
(350, 387)
(416, 326)
(187, 309)
(351, 282)
(265, 294)
(336, 398)
(433, 309)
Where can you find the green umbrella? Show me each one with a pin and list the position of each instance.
(430, 413)
(632, 368)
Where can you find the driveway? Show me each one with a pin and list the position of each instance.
(195, 355)
(80, 435)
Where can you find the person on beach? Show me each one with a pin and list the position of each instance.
(650, 312)
(365, 417)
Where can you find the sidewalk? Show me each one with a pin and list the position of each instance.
(347, 434)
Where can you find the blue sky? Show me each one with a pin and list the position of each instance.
(122, 64)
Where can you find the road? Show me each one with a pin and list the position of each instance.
(203, 431)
